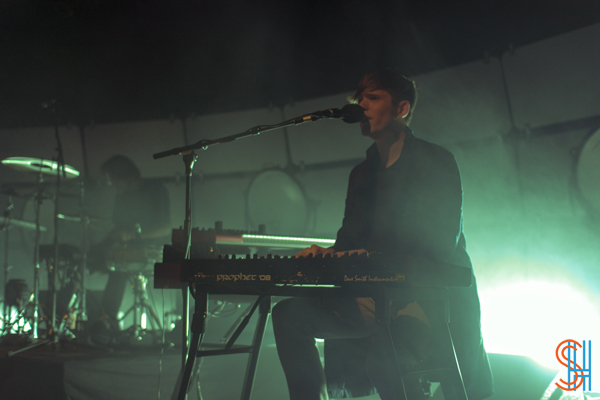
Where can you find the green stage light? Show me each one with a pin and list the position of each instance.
(531, 318)
(286, 239)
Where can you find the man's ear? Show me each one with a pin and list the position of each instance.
(403, 109)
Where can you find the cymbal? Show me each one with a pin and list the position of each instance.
(77, 218)
(38, 165)
(19, 223)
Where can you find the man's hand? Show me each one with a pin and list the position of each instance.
(351, 252)
(315, 250)
(124, 235)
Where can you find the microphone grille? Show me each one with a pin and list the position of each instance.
(352, 113)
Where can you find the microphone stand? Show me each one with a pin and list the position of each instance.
(204, 144)
(198, 326)
(60, 170)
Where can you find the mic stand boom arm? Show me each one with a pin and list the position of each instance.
(257, 130)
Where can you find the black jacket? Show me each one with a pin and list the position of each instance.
(415, 207)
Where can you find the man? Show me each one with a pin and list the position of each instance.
(404, 199)
(141, 218)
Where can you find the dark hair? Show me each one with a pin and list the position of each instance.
(122, 167)
(400, 87)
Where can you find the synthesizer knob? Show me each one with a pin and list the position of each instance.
(255, 256)
(233, 256)
(269, 256)
(220, 257)
(247, 256)
(276, 256)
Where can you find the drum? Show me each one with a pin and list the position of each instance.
(277, 200)
(587, 173)
(16, 293)
(138, 258)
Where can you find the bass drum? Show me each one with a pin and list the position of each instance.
(134, 259)
(277, 200)
(587, 173)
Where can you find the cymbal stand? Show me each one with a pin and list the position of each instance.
(39, 198)
(5, 228)
(77, 307)
(85, 222)
(60, 173)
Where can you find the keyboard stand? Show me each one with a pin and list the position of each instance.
(381, 296)
(198, 327)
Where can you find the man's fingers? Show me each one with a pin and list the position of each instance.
(314, 250)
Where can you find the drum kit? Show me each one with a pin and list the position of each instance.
(22, 312)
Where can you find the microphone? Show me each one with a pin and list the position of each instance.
(350, 113)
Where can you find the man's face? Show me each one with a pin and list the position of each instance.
(121, 185)
(380, 112)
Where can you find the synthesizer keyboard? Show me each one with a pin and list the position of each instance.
(228, 274)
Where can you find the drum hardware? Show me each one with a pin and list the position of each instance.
(134, 258)
(68, 273)
(78, 218)
(78, 301)
(47, 167)
(6, 222)
(71, 322)
(41, 167)
(39, 197)
(144, 314)
(5, 226)
(16, 302)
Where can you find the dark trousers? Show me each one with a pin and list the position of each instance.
(298, 321)
(114, 293)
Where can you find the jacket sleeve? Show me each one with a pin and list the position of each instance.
(355, 227)
(436, 210)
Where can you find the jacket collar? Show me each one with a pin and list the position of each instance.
(373, 154)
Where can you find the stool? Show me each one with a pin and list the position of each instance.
(442, 366)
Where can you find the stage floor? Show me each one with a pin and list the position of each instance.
(78, 372)
(81, 372)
